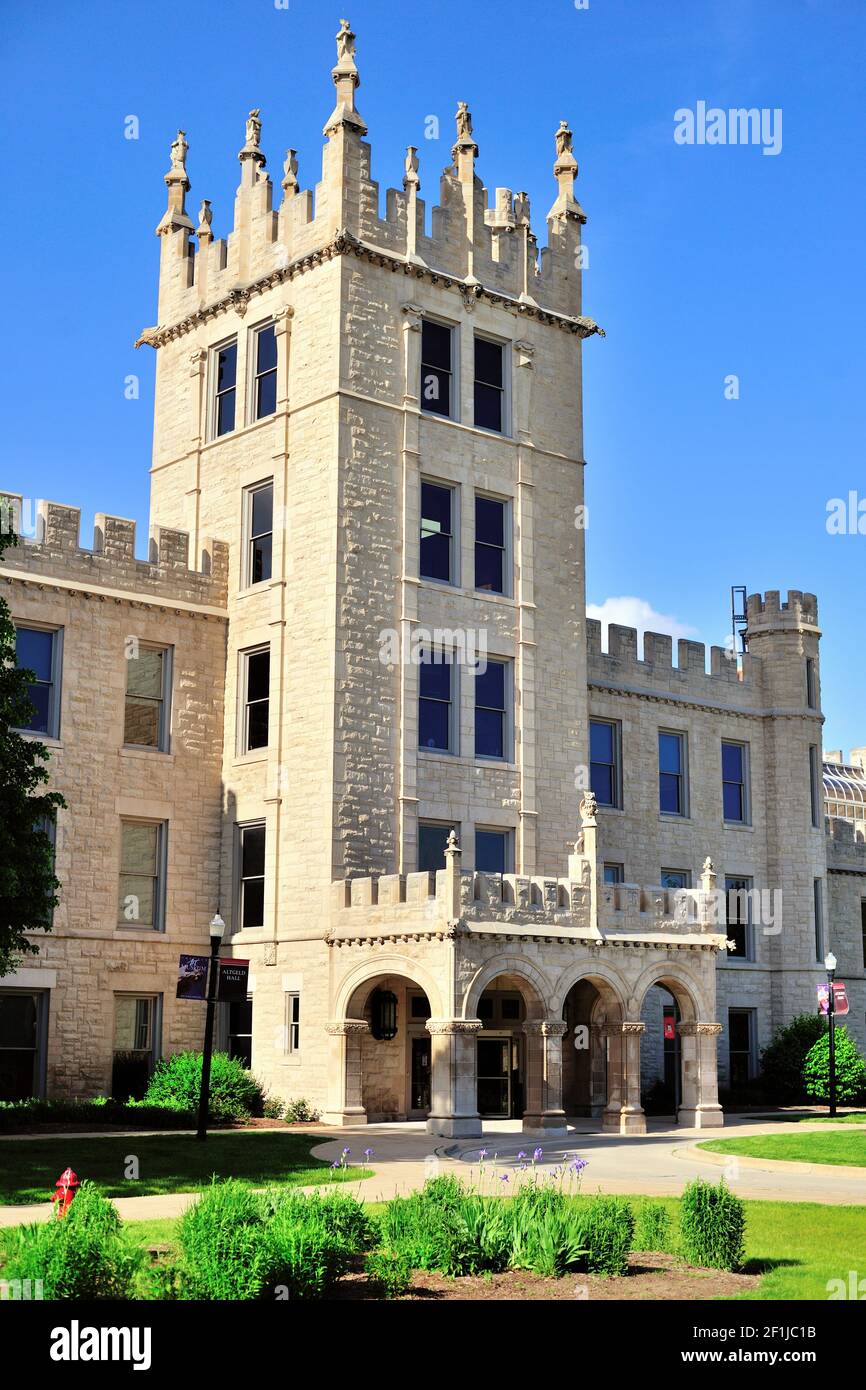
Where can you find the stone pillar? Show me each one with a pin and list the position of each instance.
(612, 1039)
(345, 1106)
(632, 1118)
(543, 1114)
(700, 1108)
(454, 1077)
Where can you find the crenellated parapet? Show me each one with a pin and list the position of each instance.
(769, 613)
(846, 845)
(55, 554)
(484, 245)
(730, 680)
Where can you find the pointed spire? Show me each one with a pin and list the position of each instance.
(177, 182)
(205, 217)
(465, 152)
(290, 174)
(565, 173)
(346, 80)
(251, 156)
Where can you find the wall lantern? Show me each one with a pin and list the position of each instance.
(383, 1006)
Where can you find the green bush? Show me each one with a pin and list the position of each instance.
(652, 1227)
(234, 1091)
(238, 1244)
(429, 1235)
(82, 1255)
(545, 1231)
(782, 1062)
(299, 1112)
(19, 1115)
(712, 1226)
(391, 1271)
(850, 1068)
(606, 1229)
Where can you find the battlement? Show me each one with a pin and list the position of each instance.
(729, 679)
(767, 612)
(55, 552)
(489, 248)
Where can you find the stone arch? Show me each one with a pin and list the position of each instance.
(611, 986)
(388, 963)
(682, 983)
(538, 986)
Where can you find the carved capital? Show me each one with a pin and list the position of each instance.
(346, 1027)
(633, 1028)
(453, 1025)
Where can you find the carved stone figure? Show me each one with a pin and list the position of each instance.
(464, 121)
(178, 153)
(254, 127)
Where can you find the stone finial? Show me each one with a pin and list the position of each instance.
(465, 151)
(205, 218)
(290, 173)
(452, 844)
(346, 80)
(252, 154)
(565, 173)
(178, 185)
(588, 808)
(708, 876)
(411, 181)
(521, 209)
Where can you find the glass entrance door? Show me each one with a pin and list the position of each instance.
(494, 1078)
(420, 1099)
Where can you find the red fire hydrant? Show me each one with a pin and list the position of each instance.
(65, 1189)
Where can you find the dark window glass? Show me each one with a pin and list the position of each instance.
(34, 651)
(602, 765)
(675, 878)
(434, 705)
(491, 851)
(811, 684)
(740, 1045)
(252, 876)
(614, 873)
(226, 378)
(671, 774)
(436, 532)
(227, 363)
(510, 1010)
(435, 368)
(490, 711)
(489, 544)
(488, 385)
(261, 533)
(419, 1006)
(733, 782)
(266, 349)
(818, 899)
(737, 915)
(253, 861)
(432, 840)
(258, 672)
(266, 372)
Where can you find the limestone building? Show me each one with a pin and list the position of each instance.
(479, 866)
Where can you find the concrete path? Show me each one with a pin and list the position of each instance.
(659, 1164)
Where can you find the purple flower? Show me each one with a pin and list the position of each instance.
(539, 1153)
(521, 1156)
(577, 1165)
(482, 1153)
(346, 1153)
(503, 1177)
(336, 1163)
(368, 1153)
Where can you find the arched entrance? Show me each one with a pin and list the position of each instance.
(679, 1046)
(518, 1048)
(593, 1014)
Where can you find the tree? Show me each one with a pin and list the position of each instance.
(28, 887)
(782, 1061)
(850, 1068)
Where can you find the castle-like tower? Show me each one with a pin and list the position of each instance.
(388, 768)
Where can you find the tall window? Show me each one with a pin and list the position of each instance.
(148, 681)
(432, 839)
(672, 774)
(741, 1046)
(293, 1022)
(265, 375)
(493, 851)
(818, 913)
(251, 907)
(811, 683)
(436, 703)
(260, 532)
(135, 1044)
(142, 875)
(489, 385)
(490, 547)
(738, 917)
(815, 784)
(256, 675)
(38, 650)
(240, 1031)
(491, 711)
(22, 1043)
(225, 370)
(863, 928)
(437, 367)
(437, 532)
(735, 788)
(604, 761)
(614, 873)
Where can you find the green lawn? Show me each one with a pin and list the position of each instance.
(858, 1118)
(838, 1148)
(29, 1168)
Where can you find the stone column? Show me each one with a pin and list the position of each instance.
(345, 1105)
(632, 1119)
(454, 1077)
(700, 1108)
(543, 1113)
(611, 1034)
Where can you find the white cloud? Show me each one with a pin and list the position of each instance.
(629, 611)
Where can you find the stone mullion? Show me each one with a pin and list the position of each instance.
(524, 533)
(407, 813)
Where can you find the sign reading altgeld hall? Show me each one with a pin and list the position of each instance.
(366, 426)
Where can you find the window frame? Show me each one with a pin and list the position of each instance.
(214, 394)
(241, 827)
(163, 744)
(815, 785)
(56, 633)
(746, 884)
(507, 713)
(454, 535)
(818, 919)
(247, 581)
(454, 371)
(505, 345)
(453, 749)
(161, 860)
(752, 1053)
(615, 868)
(507, 834)
(811, 683)
(254, 374)
(507, 544)
(244, 702)
(684, 874)
(682, 776)
(293, 1022)
(745, 784)
(431, 823)
(616, 725)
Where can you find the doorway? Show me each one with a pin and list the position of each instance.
(494, 1078)
(419, 1100)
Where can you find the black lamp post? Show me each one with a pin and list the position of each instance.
(830, 967)
(217, 927)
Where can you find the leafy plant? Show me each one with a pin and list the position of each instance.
(850, 1068)
(607, 1230)
(391, 1270)
(712, 1225)
(82, 1255)
(234, 1091)
(783, 1060)
(273, 1108)
(652, 1227)
(299, 1112)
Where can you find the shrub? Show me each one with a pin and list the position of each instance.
(652, 1227)
(712, 1225)
(21, 1114)
(391, 1271)
(606, 1229)
(430, 1235)
(234, 1091)
(850, 1068)
(273, 1108)
(546, 1232)
(300, 1112)
(82, 1255)
(782, 1062)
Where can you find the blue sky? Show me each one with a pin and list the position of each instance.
(704, 261)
